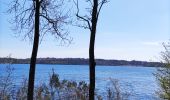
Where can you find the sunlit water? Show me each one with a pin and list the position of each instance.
(139, 80)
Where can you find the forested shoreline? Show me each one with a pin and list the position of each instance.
(81, 61)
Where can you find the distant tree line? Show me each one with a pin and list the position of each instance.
(82, 61)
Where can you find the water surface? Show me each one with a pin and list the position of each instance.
(139, 79)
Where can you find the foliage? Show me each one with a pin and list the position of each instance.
(163, 74)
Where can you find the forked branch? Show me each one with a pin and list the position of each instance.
(83, 18)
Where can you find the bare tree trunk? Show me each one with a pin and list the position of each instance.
(92, 62)
(91, 24)
(34, 54)
(92, 65)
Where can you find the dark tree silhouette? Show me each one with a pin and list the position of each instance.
(36, 18)
(91, 23)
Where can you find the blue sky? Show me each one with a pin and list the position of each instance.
(127, 29)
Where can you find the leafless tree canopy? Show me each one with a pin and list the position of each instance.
(87, 18)
(53, 18)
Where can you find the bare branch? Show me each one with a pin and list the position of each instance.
(81, 17)
(24, 10)
(90, 2)
(100, 6)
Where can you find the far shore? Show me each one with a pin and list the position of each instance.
(82, 61)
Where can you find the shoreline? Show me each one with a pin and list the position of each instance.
(82, 61)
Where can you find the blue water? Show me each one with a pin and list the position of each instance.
(139, 79)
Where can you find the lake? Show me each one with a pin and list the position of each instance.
(139, 79)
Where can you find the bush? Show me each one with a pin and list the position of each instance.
(163, 74)
(115, 92)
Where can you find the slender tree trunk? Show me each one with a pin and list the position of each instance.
(34, 54)
(92, 62)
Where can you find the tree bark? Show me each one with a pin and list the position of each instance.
(92, 62)
(34, 53)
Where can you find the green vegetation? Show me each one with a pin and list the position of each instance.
(163, 74)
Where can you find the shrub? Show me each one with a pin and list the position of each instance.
(115, 92)
(163, 74)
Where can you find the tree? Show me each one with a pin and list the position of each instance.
(163, 74)
(36, 18)
(91, 23)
